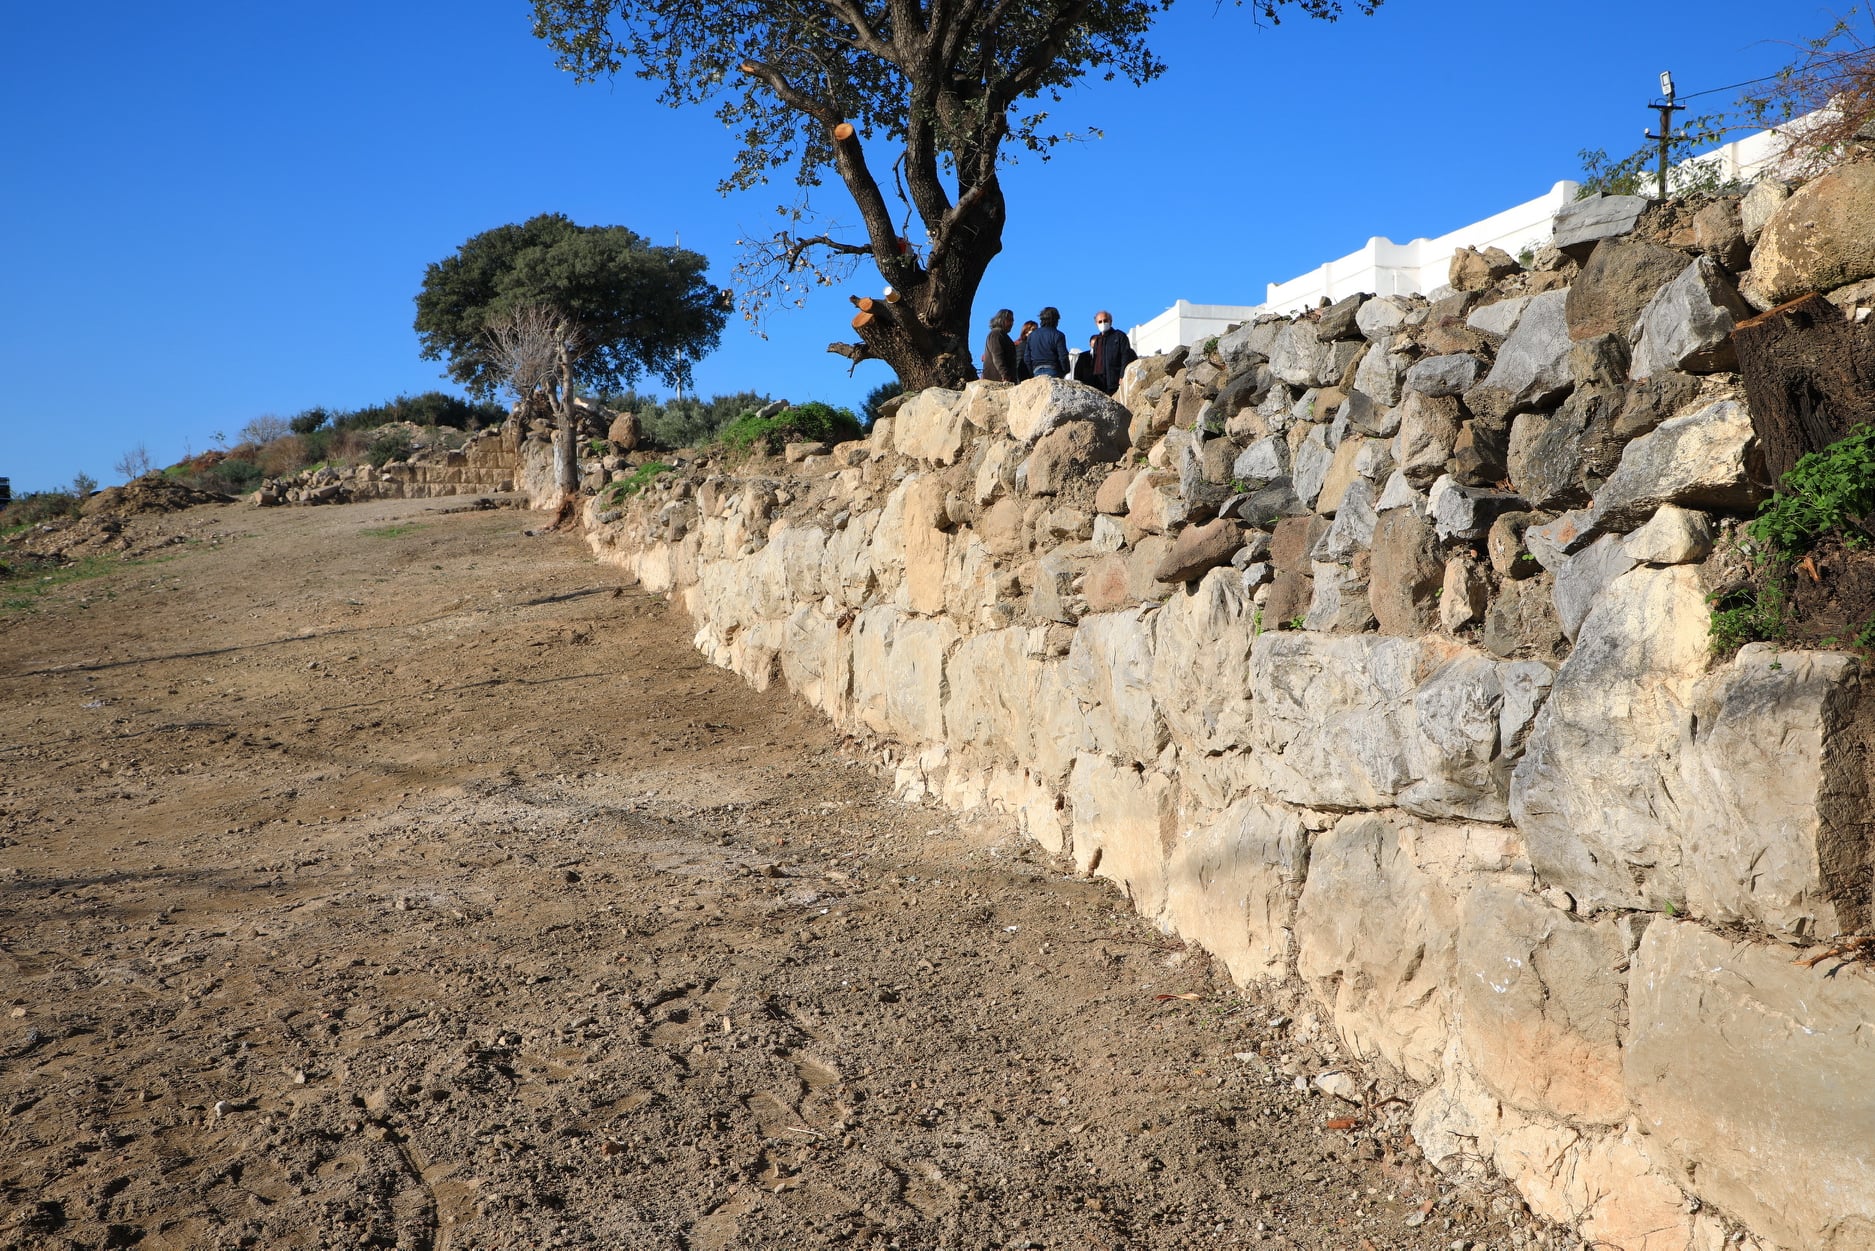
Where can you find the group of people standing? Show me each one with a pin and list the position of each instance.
(1041, 351)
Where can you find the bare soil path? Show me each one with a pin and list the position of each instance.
(383, 876)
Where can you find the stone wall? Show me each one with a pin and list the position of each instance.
(1370, 650)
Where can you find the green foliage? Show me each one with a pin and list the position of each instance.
(804, 423)
(21, 589)
(636, 481)
(876, 398)
(387, 447)
(1749, 615)
(1826, 492)
(310, 420)
(1865, 638)
(391, 531)
(684, 421)
(640, 309)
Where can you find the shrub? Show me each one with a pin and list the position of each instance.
(1749, 615)
(812, 422)
(1826, 492)
(36, 508)
(639, 478)
(389, 446)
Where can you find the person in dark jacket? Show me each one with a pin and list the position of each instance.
(1045, 351)
(999, 351)
(1112, 352)
(1022, 362)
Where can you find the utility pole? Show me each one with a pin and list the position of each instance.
(1667, 109)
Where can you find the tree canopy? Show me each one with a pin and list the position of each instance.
(642, 310)
(808, 84)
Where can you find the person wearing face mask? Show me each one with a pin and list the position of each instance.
(999, 352)
(1045, 351)
(1112, 352)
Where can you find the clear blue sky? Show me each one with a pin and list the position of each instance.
(218, 210)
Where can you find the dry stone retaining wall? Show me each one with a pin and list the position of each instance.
(1370, 649)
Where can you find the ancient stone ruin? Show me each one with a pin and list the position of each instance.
(1370, 649)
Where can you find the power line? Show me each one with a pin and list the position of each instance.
(1851, 54)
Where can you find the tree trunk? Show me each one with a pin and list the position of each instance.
(1809, 376)
(567, 453)
(924, 333)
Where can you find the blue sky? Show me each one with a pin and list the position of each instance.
(219, 211)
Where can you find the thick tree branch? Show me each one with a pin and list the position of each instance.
(865, 38)
(788, 93)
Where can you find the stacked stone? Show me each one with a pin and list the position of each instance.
(486, 464)
(1538, 855)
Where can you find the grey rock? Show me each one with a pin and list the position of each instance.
(1707, 458)
(1381, 373)
(1312, 462)
(1464, 596)
(1532, 366)
(1621, 276)
(1499, 319)
(1688, 325)
(1399, 493)
(1263, 461)
(1339, 604)
(1673, 536)
(1353, 528)
(1341, 320)
(1365, 416)
(1562, 537)
(1766, 196)
(1652, 401)
(1601, 361)
(1526, 685)
(1753, 1078)
(1579, 225)
(1553, 457)
(1246, 389)
(1270, 503)
(1584, 576)
(1381, 316)
(1298, 356)
(1462, 512)
(1443, 375)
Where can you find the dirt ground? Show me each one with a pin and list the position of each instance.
(383, 875)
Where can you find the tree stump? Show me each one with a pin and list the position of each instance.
(1809, 376)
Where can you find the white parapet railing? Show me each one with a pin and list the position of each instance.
(1384, 267)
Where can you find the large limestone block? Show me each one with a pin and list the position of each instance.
(802, 555)
(1778, 819)
(1598, 793)
(1125, 825)
(1040, 404)
(1755, 1077)
(872, 668)
(1201, 664)
(985, 405)
(915, 679)
(991, 690)
(1375, 939)
(1231, 886)
(996, 473)
(927, 545)
(1058, 730)
(809, 644)
(1109, 670)
(1620, 279)
(848, 574)
(1298, 355)
(1532, 366)
(1707, 458)
(1540, 1002)
(1581, 579)
(1064, 454)
(1822, 238)
(1199, 549)
(1154, 504)
(1362, 721)
(1603, 1185)
(1688, 325)
(931, 426)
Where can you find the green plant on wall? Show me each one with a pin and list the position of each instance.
(1826, 492)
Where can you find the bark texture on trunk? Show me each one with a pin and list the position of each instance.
(1809, 376)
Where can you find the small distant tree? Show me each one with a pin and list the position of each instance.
(265, 429)
(83, 484)
(536, 348)
(134, 463)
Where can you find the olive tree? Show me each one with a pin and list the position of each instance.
(926, 95)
